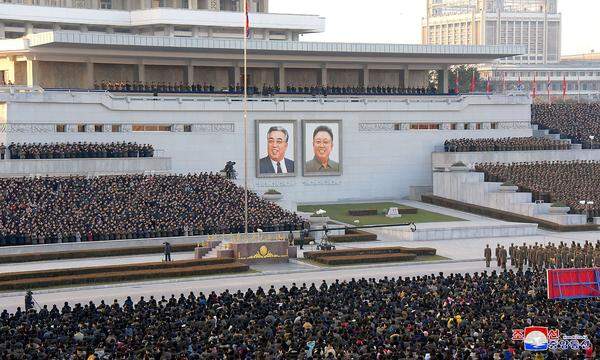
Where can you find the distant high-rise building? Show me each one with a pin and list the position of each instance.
(533, 23)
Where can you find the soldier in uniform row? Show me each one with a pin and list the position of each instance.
(539, 256)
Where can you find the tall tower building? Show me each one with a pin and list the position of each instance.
(533, 23)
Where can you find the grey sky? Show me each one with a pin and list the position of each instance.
(399, 21)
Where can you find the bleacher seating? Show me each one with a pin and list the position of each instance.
(73, 209)
(575, 121)
(75, 150)
(504, 144)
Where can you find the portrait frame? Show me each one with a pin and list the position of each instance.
(261, 128)
(308, 127)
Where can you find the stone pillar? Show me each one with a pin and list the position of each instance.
(110, 30)
(169, 30)
(89, 75)
(264, 6)
(406, 77)
(195, 31)
(190, 73)
(28, 28)
(2, 31)
(289, 36)
(267, 35)
(32, 73)
(210, 32)
(145, 4)
(56, 27)
(282, 81)
(445, 86)
(193, 4)
(365, 76)
(95, 4)
(141, 72)
(237, 75)
(324, 75)
(83, 28)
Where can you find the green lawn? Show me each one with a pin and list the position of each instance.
(339, 212)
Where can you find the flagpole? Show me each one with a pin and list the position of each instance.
(245, 107)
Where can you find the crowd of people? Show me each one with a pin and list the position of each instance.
(266, 90)
(504, 144)
(75, 150)
(566, 183)
(575, 121)
(550, 256)
(72, 209)
(455, 316)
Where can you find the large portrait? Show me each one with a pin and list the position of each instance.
(322, 147)
(275, 148)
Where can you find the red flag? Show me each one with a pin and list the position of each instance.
(564, 87)
(488, 86)
(456, 89)
(534, 86)
(472, 87)
(247, 25)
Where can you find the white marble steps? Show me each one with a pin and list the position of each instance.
(462, 230)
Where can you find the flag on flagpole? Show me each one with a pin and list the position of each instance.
(456, 83)
(534, 86)
(488, 86)
(564, 87)
(472, 87)
(247, 25)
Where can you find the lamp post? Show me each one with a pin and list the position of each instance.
(592, 137)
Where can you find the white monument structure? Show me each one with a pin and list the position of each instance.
(378, 145)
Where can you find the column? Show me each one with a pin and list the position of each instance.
(83, 28)
(193, 4)
(141, 72)
(289, 36)
(190, 73)
(110, 30)
(56, 27)
(237, 75)
(89, 75)
(267, 34)
(365, 76)
(169, 30)
(32, 73)
(264, 6)
(2, 31)
(324, 75)
(195, 31)
(445, 87)
(28, 28)
(282, 82)
(406, 77)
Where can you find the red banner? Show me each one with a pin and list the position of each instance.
(573, 283)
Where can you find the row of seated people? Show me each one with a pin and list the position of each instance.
(575, 121)
(266, 90)
(70, 209)
(432, 317)
(75, 150)
(563, 182)
(504, 144)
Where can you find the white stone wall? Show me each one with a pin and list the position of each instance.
(43, 167)
(442, 159)
(381, 156)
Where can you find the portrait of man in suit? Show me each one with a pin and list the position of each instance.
(277, 162)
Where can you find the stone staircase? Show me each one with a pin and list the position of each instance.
(212, 254)
(470, 188)
(546, 134)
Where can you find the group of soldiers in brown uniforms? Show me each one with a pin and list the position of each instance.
(541, 256)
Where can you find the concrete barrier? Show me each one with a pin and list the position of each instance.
(83, 166)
